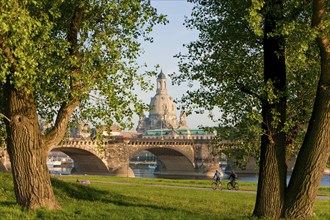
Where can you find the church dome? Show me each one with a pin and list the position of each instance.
(161, 75)
(162, 104)
(163, 109)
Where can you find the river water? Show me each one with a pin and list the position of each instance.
(149, 173)
(324, 182)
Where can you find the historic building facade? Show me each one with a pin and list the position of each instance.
(163, 110)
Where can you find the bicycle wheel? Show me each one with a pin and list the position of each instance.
(214, 185)
(220, 186)
(229, 186)
(236, 186)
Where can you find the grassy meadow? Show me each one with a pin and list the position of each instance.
(139, 198)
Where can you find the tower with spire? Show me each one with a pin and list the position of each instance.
(163, 109)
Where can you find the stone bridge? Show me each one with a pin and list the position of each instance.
(177, 156)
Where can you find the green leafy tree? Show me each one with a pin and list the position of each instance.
(315, 150)
(61, 57)
(258, 62)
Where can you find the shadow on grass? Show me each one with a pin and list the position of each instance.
(77, 191)
(86, 192)
(6, 203)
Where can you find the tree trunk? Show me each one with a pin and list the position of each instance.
(272, 173)
(27, 152)
(312, 159)
(273, 169)
(315, 151)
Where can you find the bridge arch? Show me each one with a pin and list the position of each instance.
(174, 159)
(87, 159)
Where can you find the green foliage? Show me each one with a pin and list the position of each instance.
(254, 17)
(227, 64)
(85, 50)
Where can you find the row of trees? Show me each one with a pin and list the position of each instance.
(266, 65)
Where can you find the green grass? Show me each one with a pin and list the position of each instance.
(246, 186)
(158, 181)
(137, 198)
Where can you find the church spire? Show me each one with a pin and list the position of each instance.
(161, 83)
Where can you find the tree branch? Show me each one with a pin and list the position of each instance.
(4, 116)
(322, 39)
(56, 134)
(246, 90)
(74, 29)
(8, 54)
(58, 131)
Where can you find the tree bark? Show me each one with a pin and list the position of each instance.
(27, 148)
(27, 152)
(315, 151)
(273, 169)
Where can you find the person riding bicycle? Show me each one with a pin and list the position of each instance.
(217, 176)
(232, 177)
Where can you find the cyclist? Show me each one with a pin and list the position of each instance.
(232, 177)
(217, 176)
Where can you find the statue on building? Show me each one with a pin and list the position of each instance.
(82, 130)
(183, 122)
(85, 131)
(141, 122)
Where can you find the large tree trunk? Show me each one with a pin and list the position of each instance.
(27, 147)
(273, 169)
(271, 182)
(312, 159)
(28, 152)
(315, 151)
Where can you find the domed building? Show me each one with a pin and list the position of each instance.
(163, 110)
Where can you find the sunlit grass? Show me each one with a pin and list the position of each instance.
(136, 198)
(245, 186)
(157, 181)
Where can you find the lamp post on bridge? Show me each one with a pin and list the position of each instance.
(129, 156)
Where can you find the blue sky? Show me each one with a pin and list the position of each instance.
(168, 41)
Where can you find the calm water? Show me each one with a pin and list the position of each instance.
(60, 170)
(324, 182)
(148, 173)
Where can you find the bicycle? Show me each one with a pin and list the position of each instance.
(216, 185)
(233, 185)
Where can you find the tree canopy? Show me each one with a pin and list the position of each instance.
(227, 62)
(60, 58)
(61, 50)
